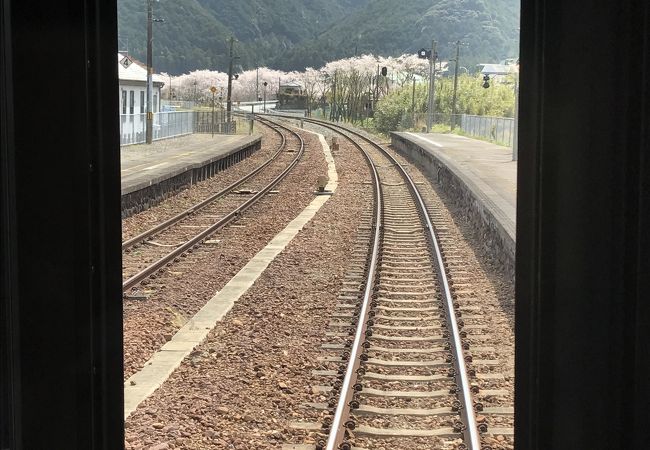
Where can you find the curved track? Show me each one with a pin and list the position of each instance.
(143, 256)
(146, 235)
(403, 363)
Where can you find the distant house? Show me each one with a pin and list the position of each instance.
(497, 69)
(133, 86)
(498, 72)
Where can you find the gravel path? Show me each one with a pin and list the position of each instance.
(184, 287)
(247, 382)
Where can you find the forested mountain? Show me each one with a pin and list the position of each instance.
(294, 34)
(488, 30)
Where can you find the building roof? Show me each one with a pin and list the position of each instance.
(130, 69)
(498, 69)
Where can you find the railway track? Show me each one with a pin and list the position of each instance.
(398, 336)
(149, 252)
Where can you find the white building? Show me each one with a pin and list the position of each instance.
(133, 98)
(133, 86)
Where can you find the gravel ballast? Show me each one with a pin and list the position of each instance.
(248, 380)
(248, 383)
(174, 295)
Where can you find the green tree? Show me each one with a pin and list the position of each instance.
(394, 111)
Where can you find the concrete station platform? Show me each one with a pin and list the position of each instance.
(481, 177)
(150, 173)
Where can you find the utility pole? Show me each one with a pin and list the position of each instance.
(333, 110)
(377, 85)
(229, 95)
(432, 62)
(264, 110)
(453, 101)
(213, 90)
(257, 85)
(149, 131)
(413, 102)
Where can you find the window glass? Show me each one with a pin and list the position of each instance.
(123, 102)
(131, 102)
(142, 109)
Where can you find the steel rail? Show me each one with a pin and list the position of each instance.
(142, 237)
(471, 432)
(348, 386)
(153, 268)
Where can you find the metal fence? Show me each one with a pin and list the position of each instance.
(173, 124)
(208, 122)
(496, 129)
(165, 125)
(178, 104)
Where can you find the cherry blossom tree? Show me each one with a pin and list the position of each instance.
(352, 86)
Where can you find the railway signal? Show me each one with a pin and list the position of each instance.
(431, 55)
(486, 81)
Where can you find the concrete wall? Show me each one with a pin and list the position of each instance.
(496, 239)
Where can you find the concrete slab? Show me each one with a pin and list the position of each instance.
(151, 173)
(406, 432)
(155, 371)
(480, 172)
(143, 165)
(490, 167)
